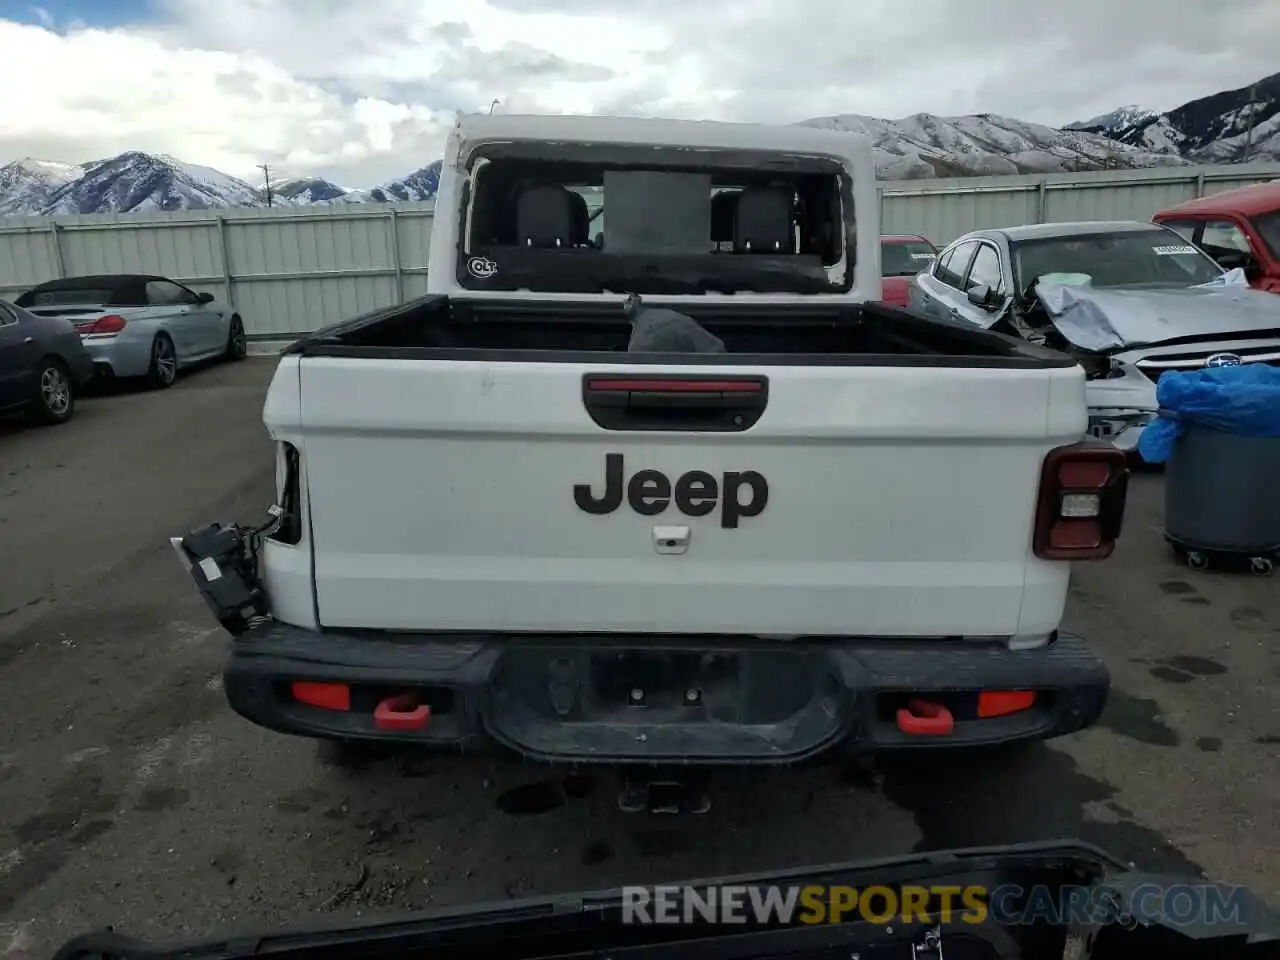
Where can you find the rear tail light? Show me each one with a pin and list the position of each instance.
(289, 494)
(111, 323)
(1002, 703)
(1080, 509)
(326, 696)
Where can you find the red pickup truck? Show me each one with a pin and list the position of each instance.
(1238, 228)
(901, 258)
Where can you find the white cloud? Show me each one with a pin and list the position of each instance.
(362, 90)
(94, 93)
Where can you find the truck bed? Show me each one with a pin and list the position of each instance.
(435, 326)
(508, 467)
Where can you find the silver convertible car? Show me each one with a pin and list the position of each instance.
(134, 325)
(1129, 300)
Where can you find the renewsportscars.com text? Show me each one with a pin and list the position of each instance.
(1006, 905)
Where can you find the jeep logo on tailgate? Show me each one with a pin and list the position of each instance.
(696, 493)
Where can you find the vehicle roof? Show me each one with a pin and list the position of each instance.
(122, 289)
(1248, 201)
(1080, 228)
(903, 238)
(686, 134)
(89, 281)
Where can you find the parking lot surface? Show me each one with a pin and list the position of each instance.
(130, 795)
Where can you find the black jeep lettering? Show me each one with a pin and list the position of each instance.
(612, 498)
(696, 493)
(649, 492)
(733, 506)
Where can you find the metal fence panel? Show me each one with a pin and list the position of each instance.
(944, 209)
(289, 271)
(285, 308)
(1129, 201)
(944, 215)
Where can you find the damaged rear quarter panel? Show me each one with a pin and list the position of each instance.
(286, 568)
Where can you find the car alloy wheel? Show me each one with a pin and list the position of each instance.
(239, 342)
(166, 360)
(55, 391)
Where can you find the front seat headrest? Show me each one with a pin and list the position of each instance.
(544, 217)
(763, 221)
(580, 219)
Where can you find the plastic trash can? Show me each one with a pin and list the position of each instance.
(1219, 433)
(1222, 496)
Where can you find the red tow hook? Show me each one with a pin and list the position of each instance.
(401, 712)
(925, 718)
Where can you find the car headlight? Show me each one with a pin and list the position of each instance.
(1098, 367)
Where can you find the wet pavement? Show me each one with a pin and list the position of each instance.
(130, 795)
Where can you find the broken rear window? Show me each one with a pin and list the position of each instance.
(626, 223)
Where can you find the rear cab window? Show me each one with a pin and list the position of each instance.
(580, 218)
(1268, 227)
(1184, 228)
(1223, 237)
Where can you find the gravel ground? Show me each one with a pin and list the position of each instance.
(130, 795)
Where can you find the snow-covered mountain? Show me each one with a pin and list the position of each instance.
(419, 185)
(309, 190)
(1213, 129)
(26, 185)
(985, 145)
(136, 181)
(1119, 119)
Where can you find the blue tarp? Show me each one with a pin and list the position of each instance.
(1243, 399)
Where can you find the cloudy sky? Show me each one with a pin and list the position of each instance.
(361, 90)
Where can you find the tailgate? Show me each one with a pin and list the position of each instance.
(862, 500)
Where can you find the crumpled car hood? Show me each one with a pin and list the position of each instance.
(1104, 320)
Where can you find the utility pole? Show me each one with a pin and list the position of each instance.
(1248, 136)
(266, 179)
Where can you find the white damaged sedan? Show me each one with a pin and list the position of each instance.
(1129, 300)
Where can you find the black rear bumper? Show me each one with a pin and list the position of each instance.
(641, 699)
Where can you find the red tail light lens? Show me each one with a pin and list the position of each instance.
(327, 696)
(1080, 510)
(1002, 703)
(111, 323)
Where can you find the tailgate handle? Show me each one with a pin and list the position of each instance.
(674, 402)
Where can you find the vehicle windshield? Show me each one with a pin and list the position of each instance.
(1142, 258)
(905, 258)
(736, 223)
(1268, 227)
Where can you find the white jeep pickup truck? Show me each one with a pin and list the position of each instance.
(498, 520)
